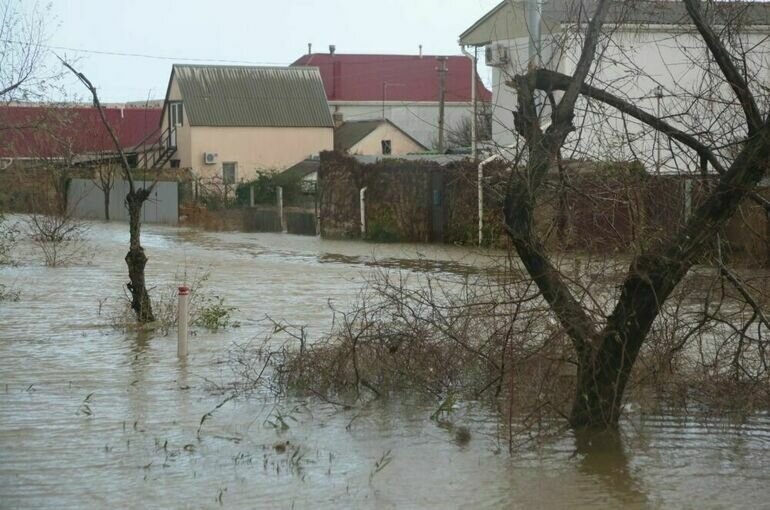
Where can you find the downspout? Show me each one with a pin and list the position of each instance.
(474, 120)
(481, 194)
(533, 25)
(362, 201)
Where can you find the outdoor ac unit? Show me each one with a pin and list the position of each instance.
(497, 55)
(210, 158)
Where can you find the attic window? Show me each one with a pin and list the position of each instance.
(386, 147)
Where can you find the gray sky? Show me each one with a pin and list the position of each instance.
(255, 32)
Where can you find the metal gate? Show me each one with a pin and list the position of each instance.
(86, 201)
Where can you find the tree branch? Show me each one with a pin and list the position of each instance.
(103, 116)
(550, 81)
(723, 59)
(566, 109)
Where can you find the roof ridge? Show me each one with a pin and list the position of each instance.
(245, 66)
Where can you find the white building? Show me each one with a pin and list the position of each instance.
(403, 89)
(646, 56)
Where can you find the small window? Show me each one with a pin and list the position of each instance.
(386, 147)
(228, 173)
(175, 114)
(175, 163)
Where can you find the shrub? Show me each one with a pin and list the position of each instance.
(214, 315)
(8, 234)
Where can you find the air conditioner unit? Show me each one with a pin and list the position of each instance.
(210, 158)
(497, 55)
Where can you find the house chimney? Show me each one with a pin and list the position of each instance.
(332, 49)
(338, 118)
(309, 48)
(421, 51)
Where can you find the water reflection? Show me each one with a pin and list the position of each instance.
(602, 455)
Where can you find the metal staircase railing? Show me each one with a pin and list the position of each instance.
(159, 153)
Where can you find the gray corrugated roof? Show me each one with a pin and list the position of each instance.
(241, 96)
(659, 12)
(441, 159)
(636, 12)
(297, 172)
(350, 133)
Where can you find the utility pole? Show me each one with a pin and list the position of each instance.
(442, 70)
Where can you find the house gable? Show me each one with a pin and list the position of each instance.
(250, 96)
(365, 137)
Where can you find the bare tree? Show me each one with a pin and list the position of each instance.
(136, 260)
(461, 133)
(23, 71)
(607, 349)
(58, 235)
(104, 180)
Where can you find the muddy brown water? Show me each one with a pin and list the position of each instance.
(134, 442)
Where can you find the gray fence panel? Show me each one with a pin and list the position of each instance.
(87, 201)
(301, 223)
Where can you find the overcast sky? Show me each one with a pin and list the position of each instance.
(241, 31)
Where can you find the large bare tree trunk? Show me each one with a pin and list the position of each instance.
(607, 355)
(136, 260)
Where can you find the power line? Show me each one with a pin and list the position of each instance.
(141, 55)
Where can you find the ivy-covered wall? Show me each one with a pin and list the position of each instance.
(594, 207)
(406, 201)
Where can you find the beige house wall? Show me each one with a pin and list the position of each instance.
(183, 132)
(251, 148)
(400, 144)
(254, 149)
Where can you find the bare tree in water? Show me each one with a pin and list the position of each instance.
(136, 260)
(551, 118)
(104, 180)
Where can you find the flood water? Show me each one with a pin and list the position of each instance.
(95, 417)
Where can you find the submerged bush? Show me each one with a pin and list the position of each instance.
(8, 234)
(60, 237)
(204, 311)
(8, 293)
(490, 338)
(213, 315)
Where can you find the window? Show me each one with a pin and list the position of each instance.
(175, 163)
(386, 147)
(228, 173)
(175, 115)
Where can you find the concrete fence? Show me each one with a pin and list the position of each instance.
(86, 200)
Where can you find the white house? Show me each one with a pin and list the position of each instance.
(647, 57)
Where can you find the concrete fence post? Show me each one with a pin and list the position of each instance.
(183, 313)
(362, 200)
(279, 191)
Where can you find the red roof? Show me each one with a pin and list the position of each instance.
(59, 131)
(397, 77)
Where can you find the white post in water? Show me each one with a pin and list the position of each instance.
(362, 199)
(279, 191)
(181, 346)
